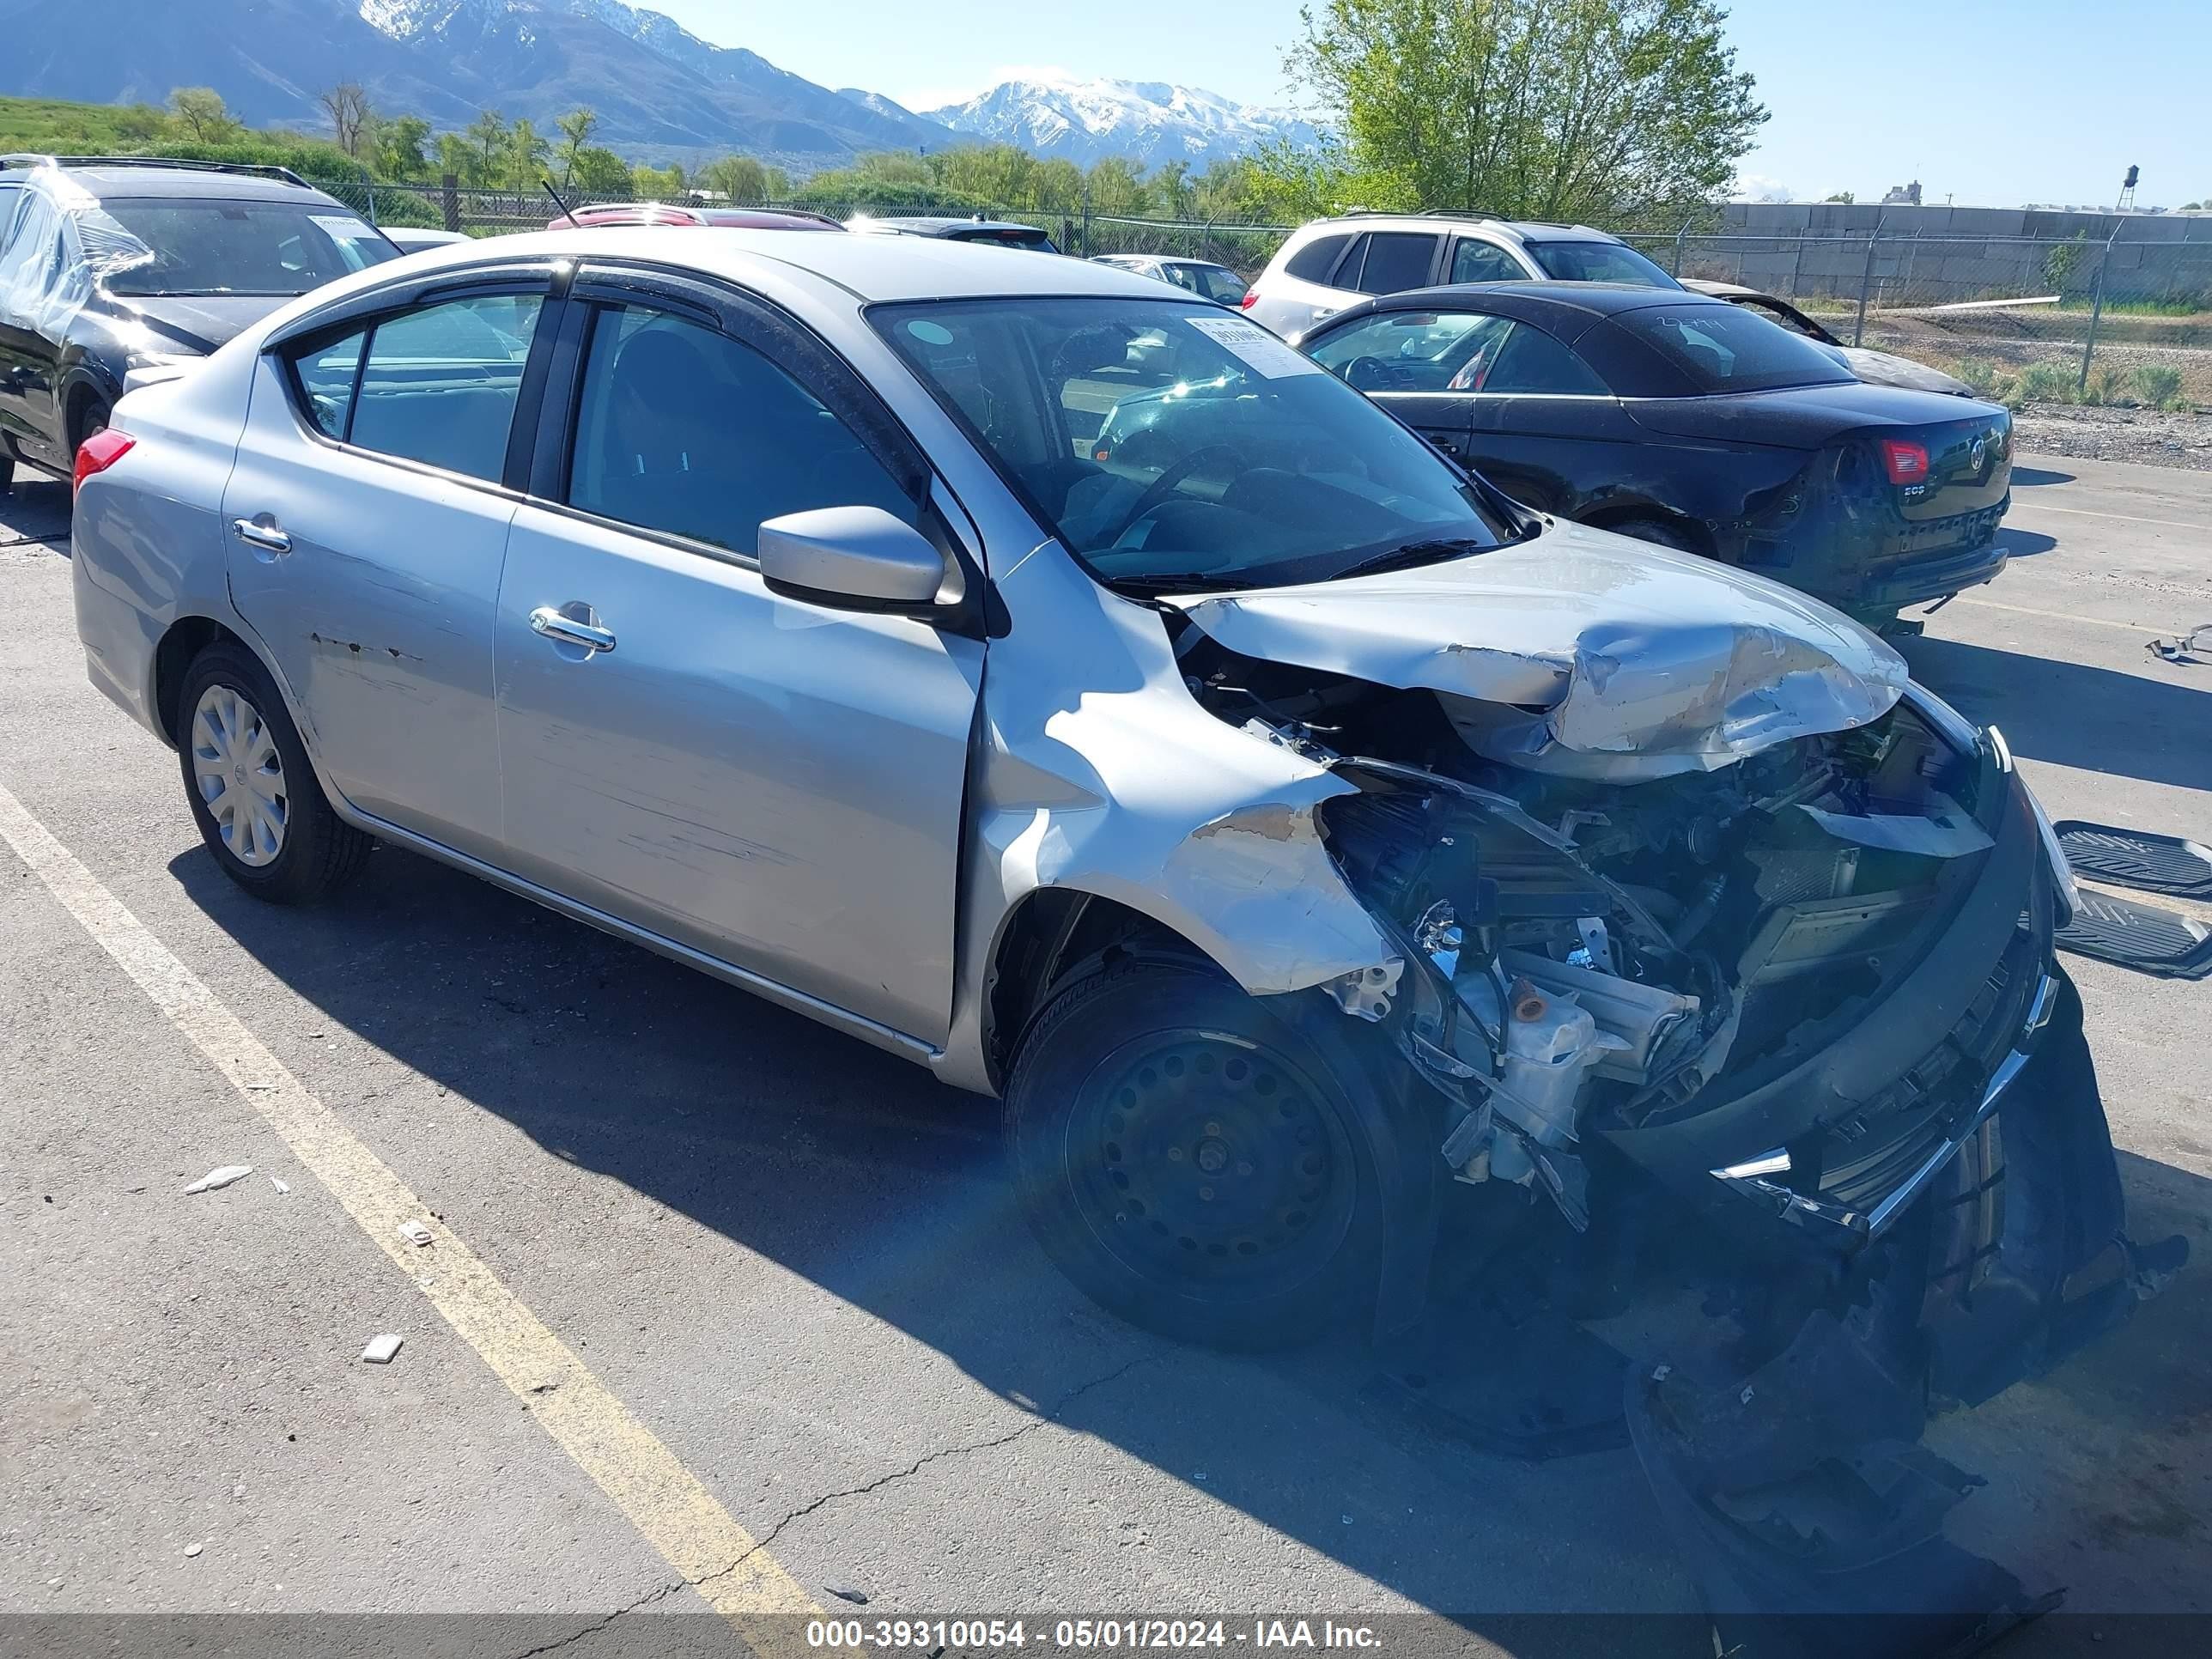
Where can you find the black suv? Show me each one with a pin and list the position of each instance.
(114, 264)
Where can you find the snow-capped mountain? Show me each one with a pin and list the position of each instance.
(1147, 121)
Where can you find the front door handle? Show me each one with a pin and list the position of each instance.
(266, 536)
(554, 625)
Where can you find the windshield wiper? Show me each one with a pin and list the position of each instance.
(1431, 552)
(1178, 581)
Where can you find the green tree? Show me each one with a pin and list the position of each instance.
(576, 128)
(527, 155)
(202, 117)
(455, 158)
(1171, 186)
(401, 143)
(1115, 187)
(597, 172)
(487, 139)
(1537, 109)
(1844, 197)
(740, 178)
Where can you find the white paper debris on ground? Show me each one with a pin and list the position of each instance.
(216, 1178)
(281, 1186)
(414, 1232)
(191, 1549)
(381, 1349)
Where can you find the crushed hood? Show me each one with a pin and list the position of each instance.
(1582, 653)
(1887, 368)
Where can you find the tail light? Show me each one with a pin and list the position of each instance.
(97, 453)
(1905, 462)
(1251, 298)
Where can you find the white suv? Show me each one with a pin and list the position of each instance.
(1334, 262)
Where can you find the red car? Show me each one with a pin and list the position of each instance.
(663, 213)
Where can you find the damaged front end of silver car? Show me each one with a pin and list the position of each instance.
(1730, 945)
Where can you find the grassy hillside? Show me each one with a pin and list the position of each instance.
(58, 128)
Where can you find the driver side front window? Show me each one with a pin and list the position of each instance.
(1413, 351)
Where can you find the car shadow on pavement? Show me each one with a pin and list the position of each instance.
(35, 510)
(868, 1179)
(2025, 475)
(859, 1172)
(2025, 544)
(2073, 713)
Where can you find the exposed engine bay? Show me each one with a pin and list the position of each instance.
(1781, 951)
(1589, 954)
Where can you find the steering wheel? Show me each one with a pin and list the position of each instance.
(1164, 486)
(1372, 374)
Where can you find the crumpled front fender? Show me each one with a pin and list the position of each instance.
(1095, 771)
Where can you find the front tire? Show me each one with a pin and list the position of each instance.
(252, 792)
(1192, 1157)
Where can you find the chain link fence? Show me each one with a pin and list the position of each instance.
(2126, 318)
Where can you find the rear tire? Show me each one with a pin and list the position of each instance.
(252, 792)
(94, 418)
(1192, 1158)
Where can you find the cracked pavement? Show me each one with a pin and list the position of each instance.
(798, 1260)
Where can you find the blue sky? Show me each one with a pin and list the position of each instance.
(2044, 100)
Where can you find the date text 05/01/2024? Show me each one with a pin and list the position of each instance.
(1088, 1635)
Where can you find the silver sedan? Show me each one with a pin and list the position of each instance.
(1293, 829)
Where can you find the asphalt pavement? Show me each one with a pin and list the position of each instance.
(790, 1266)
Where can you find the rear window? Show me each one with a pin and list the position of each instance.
(1313, 262)
(1035, 240)
(1598, 262)
(1723, 348)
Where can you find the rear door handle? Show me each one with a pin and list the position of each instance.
(266, 536)
(555, 626)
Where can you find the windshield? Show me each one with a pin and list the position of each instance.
(241, 247)
(1598, 262)
(1724, 347)
(1177, 448)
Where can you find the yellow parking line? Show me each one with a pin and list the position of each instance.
(664, 1500)
(2139, 629)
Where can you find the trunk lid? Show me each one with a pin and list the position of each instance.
(1969, 464)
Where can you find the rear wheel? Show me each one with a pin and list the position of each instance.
(1191, 1156)
(252, 792)
(92, 418)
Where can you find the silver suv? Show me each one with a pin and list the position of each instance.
(1283, 822)
(1334, 263)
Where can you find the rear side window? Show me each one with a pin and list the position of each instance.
(437, 385)
(1532, 361)
(327, 374)
(1396, 260)
(1313, 262)
(684, 430)
(1598, 262)
(1474, 261)
(1724, 347)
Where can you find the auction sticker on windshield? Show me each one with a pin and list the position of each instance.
(1258, 348)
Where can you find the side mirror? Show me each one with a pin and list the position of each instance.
(853, 558)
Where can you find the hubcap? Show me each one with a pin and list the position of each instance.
(240, 775)
(1207, 1163)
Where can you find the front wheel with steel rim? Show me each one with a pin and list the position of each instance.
(252, 792)
(1192, 1158)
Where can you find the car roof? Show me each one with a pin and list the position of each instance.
(128, 180)
(866, 269)
(1533, 299)
(926, 225)
(1512, 230)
